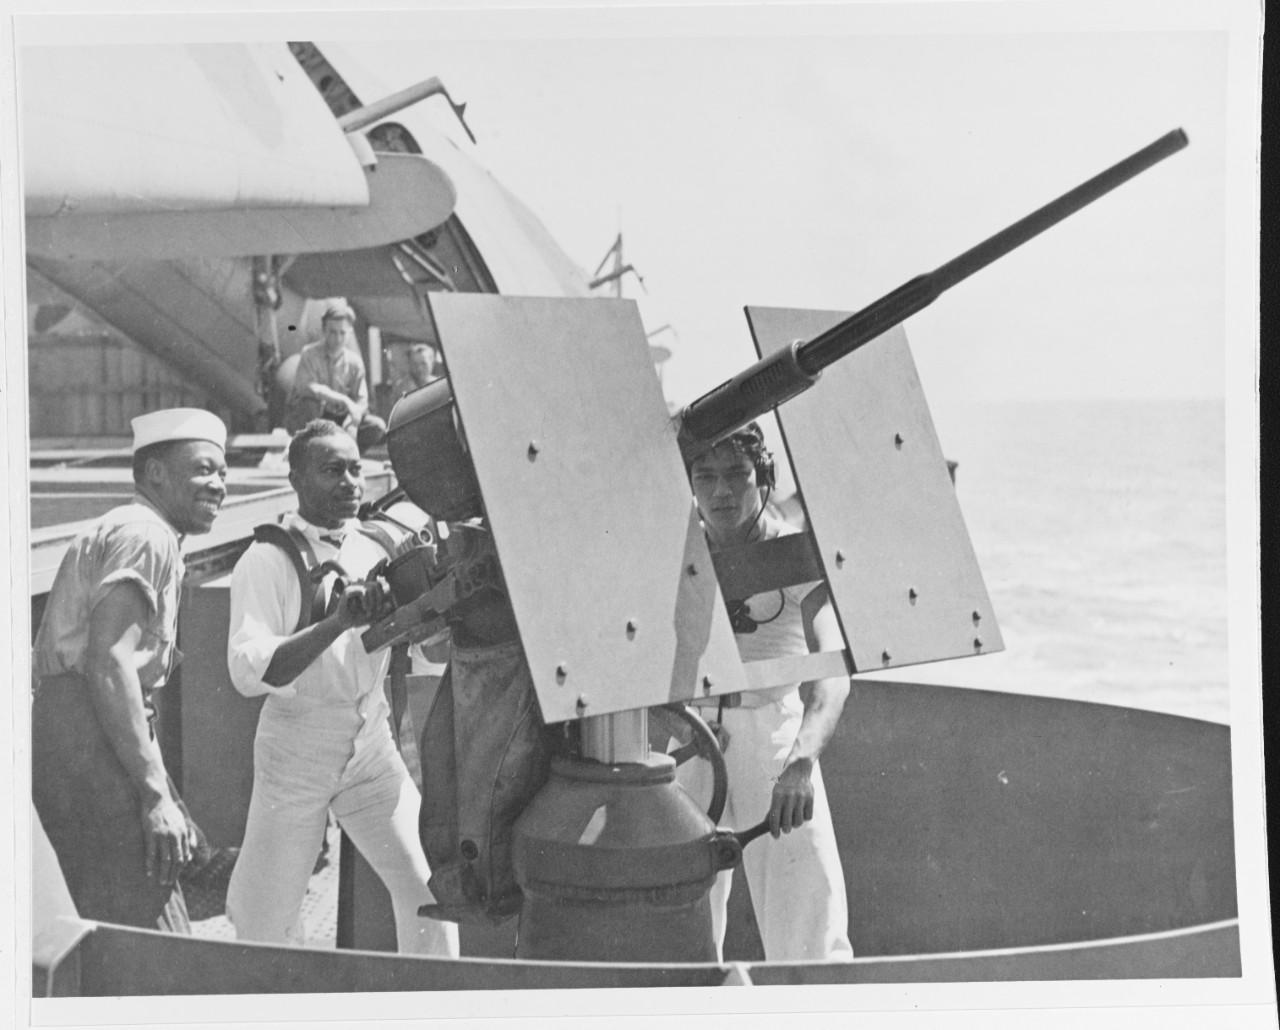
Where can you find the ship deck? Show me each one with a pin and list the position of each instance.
(206, 901)
(1127, 813)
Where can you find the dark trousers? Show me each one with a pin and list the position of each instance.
(90, 811)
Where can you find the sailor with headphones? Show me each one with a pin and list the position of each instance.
(772, 738)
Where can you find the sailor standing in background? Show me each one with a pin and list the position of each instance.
(772, 738)
(422, 367)
(105, 644)
(323, 740)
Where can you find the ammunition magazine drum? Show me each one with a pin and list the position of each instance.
(410, 574)
(429, 455)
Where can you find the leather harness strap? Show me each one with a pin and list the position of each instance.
(311, 574)
(303, 558)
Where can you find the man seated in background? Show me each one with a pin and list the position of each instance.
(330, 383)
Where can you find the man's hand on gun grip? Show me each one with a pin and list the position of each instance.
(356, 605)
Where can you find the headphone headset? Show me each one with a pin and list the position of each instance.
(766, 474)
(750, 438)
(749, 441)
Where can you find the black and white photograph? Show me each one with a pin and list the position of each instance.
(603, 514)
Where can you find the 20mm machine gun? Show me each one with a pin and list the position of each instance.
(430, 457)
(609, 580)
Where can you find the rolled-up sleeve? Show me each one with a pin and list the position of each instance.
(143, 554)
(265, 600)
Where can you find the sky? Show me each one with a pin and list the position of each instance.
(823, 171)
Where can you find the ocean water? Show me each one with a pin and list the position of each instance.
(1100, 528)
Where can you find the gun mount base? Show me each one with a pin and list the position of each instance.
(616, 863)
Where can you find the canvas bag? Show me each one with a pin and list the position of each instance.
(485, 753)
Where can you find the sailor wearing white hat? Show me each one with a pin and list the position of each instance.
(178, 424)
(106, 642)
(179, 465)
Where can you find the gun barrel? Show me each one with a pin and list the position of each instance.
(888, 311)
(782, 375)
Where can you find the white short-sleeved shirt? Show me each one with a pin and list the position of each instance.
(344, 373)
(265, 602)
(779, 629)
(130, 544)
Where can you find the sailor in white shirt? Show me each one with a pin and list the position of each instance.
(774, 737)
(324, 741)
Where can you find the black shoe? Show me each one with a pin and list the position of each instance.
(211, 869)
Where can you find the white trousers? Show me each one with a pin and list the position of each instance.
(302, 769)
(796, 881)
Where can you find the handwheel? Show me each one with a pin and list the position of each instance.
(702, 742)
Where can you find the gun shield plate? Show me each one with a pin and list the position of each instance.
(880, 502)
(591, 512)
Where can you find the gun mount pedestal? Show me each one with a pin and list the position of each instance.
(615, 860)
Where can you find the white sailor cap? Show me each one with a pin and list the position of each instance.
(178, 424)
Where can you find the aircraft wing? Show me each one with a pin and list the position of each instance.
(249, 161)
(408, 195)
(115, 129)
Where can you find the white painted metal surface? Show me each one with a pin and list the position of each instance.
(408, 195)
(102, 132)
